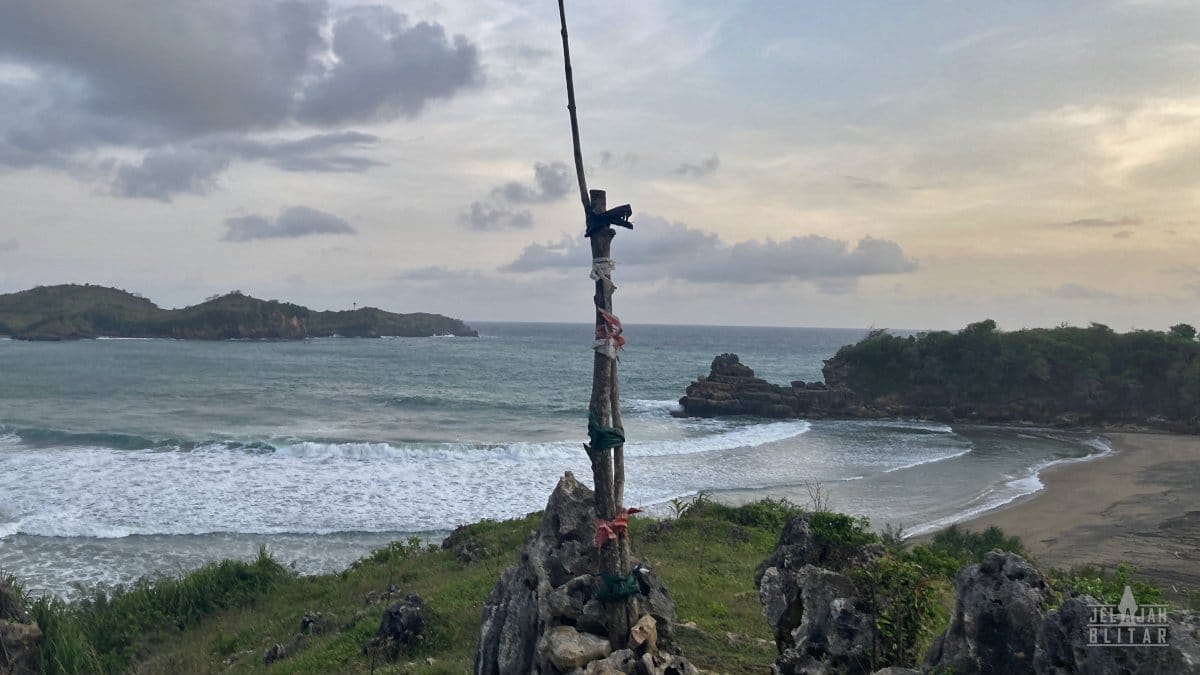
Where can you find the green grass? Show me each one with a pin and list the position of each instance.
(223, 617)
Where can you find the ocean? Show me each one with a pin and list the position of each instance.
(125, 458)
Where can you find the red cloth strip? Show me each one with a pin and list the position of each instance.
(608, 530)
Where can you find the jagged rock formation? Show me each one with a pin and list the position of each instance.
(732, 389)
(822, 622)
(1001, 622)
(20, 636)
(543, 616)
(72, 312)
(998, 610)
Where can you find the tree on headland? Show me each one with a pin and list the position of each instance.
(1183, 330)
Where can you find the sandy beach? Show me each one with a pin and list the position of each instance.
(1140, 504)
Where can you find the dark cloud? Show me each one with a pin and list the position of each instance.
(387, 68)
(192, 85)
(9, 245)
(1099, 222)
(626, 161)
(293, 222)
(192, 168)
(487, 216)
(163, 173)
(189, 68)
(672, 250)
(702, 168)
(551, 182)
(1123, 234)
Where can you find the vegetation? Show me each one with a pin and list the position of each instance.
(225, 616)
(1107, 586)
(73, 312)
(1038, 375)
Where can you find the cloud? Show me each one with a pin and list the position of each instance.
(1074, 291)
(702, 168)
(551, 182)
(869, 184)
(436, 273)
(1123, 234)
(192, 168)
(194, 88)
(1099, 222)
(292, 222)
(626, 161)
(660, 249)
(387, 68)
(9, 245)
(485, 216)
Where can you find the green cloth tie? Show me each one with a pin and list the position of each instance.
(603, 438)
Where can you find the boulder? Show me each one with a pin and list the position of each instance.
(999, 606)
(402, 627)
(548, 601)
(568, 649)
(1062, 646)
(20, 637)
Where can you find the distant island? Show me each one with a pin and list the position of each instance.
(74, 312)
(1065, 376)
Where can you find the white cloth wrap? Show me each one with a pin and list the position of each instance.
(602, 269)
(606, 347)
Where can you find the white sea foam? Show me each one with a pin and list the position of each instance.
(322, 488)
(9, 529)
(1013, 489)
(928, 460)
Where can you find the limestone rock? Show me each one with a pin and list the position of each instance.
(1062, 646)
(732, 389)
(821, 621)
(553, 588)
(567, 648)
(997, 615)
(20, 636)
(402, 626)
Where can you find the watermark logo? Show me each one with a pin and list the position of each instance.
(1127, 624)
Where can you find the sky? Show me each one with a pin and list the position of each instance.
(884, 164)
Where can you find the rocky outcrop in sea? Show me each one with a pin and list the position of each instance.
(544, 616)
(731, 388)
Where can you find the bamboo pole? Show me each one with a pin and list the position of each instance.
(608, 468)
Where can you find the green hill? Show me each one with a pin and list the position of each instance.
(1064, 375)
(71, 312)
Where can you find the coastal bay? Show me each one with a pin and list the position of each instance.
(1137, 504)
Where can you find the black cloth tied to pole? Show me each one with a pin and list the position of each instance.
(615, 216)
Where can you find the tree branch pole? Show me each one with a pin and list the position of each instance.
(583, 189)
(608, 468)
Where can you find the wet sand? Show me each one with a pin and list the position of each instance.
(1139, 505)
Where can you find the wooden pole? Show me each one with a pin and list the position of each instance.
(608, 468)
(583, 189)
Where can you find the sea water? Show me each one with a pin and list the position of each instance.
(124, 458)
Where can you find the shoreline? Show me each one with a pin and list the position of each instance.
(1136, 504)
